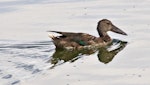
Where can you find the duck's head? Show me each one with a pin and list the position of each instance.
(106, 25)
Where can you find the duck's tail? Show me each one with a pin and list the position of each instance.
(63, 33)
(56, 32)
(51, 36)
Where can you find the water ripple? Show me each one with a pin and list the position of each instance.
(29, 58)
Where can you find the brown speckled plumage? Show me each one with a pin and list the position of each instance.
(70, 40)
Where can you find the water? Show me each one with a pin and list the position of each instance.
(23, 60)
(27, 52)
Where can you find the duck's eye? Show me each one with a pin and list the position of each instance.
(108, 23)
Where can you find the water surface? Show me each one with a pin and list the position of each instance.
(26, 50)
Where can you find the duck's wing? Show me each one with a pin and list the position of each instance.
(64, 33)
(78, 38)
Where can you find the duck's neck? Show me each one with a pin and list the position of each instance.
(104, 36)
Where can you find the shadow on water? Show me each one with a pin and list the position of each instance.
(105, 54)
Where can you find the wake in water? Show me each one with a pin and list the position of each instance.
(23, 60)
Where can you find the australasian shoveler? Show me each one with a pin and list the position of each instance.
(70, 40)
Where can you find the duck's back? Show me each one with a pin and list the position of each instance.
(76, 40)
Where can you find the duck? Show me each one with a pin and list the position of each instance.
(72, 40)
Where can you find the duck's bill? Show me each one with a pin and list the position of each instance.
(117, 30)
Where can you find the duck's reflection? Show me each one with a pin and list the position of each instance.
(105, 54)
